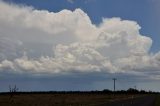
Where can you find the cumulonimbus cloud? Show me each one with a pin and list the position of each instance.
(115, 45)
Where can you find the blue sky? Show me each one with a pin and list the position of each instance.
(145, 12)
(43, 46)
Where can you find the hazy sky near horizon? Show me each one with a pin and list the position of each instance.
(79, 44)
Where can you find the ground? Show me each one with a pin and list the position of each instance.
(79, 99)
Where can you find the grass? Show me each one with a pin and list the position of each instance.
(59, 99)
(157, 100)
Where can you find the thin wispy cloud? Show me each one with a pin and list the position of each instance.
(71, 1)
(85, 1)
(88, 1)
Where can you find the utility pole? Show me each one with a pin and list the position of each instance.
(114, 80)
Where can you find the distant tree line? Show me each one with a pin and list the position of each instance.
(130, 91)
(105, 91)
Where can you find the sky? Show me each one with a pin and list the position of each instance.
(79, 44)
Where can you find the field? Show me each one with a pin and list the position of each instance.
(68, 99)
(157, 100)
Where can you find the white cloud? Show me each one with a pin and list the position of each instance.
(115, 45)
(73, 25)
